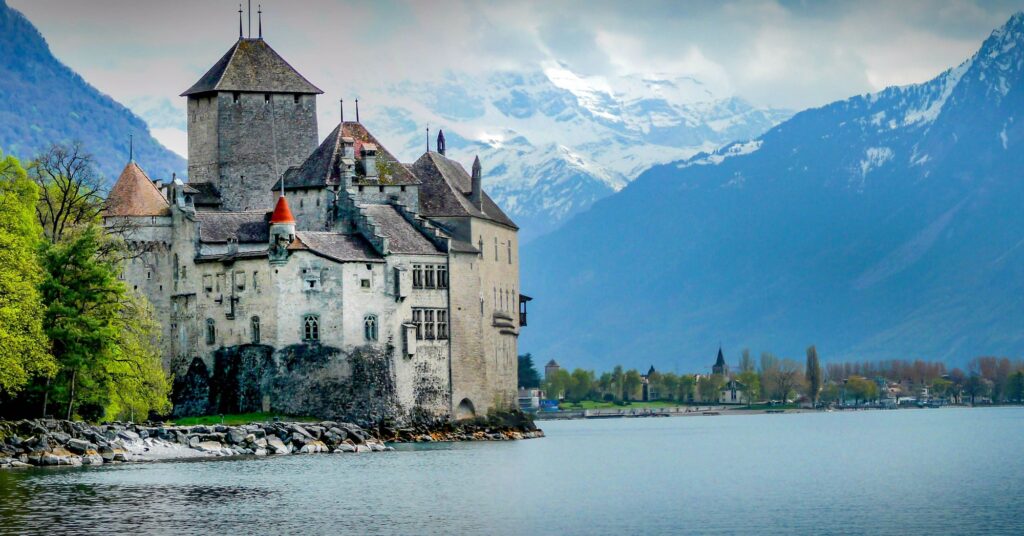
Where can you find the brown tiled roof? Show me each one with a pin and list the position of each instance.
(251, 65)
(444, 191)
(402, 236)
(247, 227)
(336, 246)
(135, 195)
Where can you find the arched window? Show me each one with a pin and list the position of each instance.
(254, 325)
(211, 331)
(310, 328)
(370, 327)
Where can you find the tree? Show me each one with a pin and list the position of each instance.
(529, 378)
(976, 386)
(830, 393)
(751, 385)
(138, 384)
(556, 385)
(1015, 387)
(667, 385)
(746, 362)
(23, 344)
(861, 389)
(788, 379)
(941, 388)
(770, 366)
(631, 383)
(684, 391)
(617, 382)
(580, 387)
(813, 374)
(70, 190)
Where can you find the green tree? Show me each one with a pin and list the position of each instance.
(685, 390)
(529, 378)
(830, 393)
(667, 385)
(618, 377)
(1015, 387)
(581, 385)
(23, 344)
(787, 379)
(976, 386)
(861, 389)
(941, 388)
(813, 374)
(556, 385)
(138, 384)
(709, 387)
(751, 385)
(746, 361)
(631, 384)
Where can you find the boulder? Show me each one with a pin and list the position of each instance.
(79, 446)
(260, 452)
(276, 446)
(92, 459)
(19, 464)
(297, 429)
(363, 448)
(345, 447)
(193, 441)
(210, 446)
(313, 447)
(128, 435)
(235, 436)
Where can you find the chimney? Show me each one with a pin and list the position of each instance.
(440, 142)
(370, 161)
(348, 161)
(476, 194)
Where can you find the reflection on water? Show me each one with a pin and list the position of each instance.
(896, 472)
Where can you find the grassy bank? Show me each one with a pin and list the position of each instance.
(239, 418)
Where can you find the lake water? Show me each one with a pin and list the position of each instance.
(949, 471)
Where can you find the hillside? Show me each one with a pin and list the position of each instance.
(43, 101)
(883, 226)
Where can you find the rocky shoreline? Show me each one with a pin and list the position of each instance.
(51, 442)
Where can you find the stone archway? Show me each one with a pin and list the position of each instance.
(465, 410)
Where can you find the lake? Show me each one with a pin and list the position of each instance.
(872, 472)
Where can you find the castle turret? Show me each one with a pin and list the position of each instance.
(476, 182)
(282, 230)
(250, 118)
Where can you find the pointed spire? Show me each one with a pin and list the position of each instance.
(440, 142)
(240, 35)
(259, 15)
(476, 194)
(282, 214)
(428, 138)
(131, 148)
(357, 110)
(341, 104)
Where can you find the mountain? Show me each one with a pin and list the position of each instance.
(42, 101)
(886, 225)
(554, 142)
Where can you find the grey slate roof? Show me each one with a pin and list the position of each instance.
(444, 191)
(322, 168)
(336, 246)
(402, 236)
(206, 194)
(251, 65)
(247, 227)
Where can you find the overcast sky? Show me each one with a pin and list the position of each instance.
(793, 54)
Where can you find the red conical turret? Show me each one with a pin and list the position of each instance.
(282, 214)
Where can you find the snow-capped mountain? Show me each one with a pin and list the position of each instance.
(886, 225)
(553, 142)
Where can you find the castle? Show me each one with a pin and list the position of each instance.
(331, 279)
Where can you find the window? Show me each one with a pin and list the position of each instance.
(442, 276)
(417, 276)
(175, 266)
(149, 275)
(310, 328)
(442, 324)
(428, 279)
(295, 98)
(428, 322)
(364, 283)
(208, 282)
(266, 98)
(510, 252)
(480, 247)
(254, 328)
(240, 281)
(495, 248)
(417, 319)
(370, 327)
(235, 97)
(255, 281)
(211, 332)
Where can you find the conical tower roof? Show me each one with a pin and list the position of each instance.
(250, 65)
(135, 195)
(282, 214)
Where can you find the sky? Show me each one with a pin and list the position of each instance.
(774, 53)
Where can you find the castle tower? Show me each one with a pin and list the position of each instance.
(282, 230)
(250, 117)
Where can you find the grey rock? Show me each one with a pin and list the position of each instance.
(92, 459)
(235, 436)
(210, 446)
(193, 441)
(128, 435)
(79, 446)
(20, 464)
(260, 452)
(276, 446)
(345, 447)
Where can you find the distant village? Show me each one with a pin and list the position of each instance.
(770, 384)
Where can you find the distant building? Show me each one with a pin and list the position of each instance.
(650, 391)
(551, 369)
(529, 399)
(732, 392)
(720, 366)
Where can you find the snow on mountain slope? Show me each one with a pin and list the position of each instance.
(553, 142)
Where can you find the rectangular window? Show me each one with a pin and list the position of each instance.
(417, 276)
(255, 281)
(417, 319)
(364, 283)
(428, 279)
(296, 97)
(240, 281)
(219, 282)
(442, 324)
(208, 283)
(442, 276)
(428, 321)
(236, 96)
(510, 252)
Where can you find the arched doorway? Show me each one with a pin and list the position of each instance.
(465, 410)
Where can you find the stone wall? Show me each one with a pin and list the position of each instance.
(245, 145)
